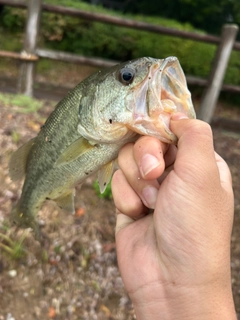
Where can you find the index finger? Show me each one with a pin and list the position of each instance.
(148, 153)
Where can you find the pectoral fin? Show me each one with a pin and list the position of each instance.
(104, 175)
(75, 150)
(18, 161)
(66, 201)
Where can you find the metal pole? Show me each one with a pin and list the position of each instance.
(210, 96)
(25, 83)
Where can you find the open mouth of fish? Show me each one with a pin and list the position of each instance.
(163, 93)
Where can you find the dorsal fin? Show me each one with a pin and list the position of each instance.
(18, 161)
(75, 150)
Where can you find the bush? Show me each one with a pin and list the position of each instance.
(13, 19)
(97, 39)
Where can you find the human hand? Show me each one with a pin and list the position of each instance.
(175, 262)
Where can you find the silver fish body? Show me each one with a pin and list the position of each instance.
(88, 127)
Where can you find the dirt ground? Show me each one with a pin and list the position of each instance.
(72, 272)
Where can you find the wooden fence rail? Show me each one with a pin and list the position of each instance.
(31, 53)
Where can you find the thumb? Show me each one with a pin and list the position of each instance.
(196, 154)
(194, 137)
(196, 145)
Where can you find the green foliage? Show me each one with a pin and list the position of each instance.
(70, 34)
(81, 5)
(112, 42)
(14, 44)
(13, 19)
(21, 103)
(45, 256)
(107, 194)
(204, 14)
(15, 136)
(57, 249)
(97, 39)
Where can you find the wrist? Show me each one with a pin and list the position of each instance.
(200, 303)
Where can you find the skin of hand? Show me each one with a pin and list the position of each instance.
(175, 259)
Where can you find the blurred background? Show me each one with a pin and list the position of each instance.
(94, 39)
(71, 272)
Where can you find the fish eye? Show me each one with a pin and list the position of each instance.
(126, 75)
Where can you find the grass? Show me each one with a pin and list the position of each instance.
(21, 103)
(13, 248)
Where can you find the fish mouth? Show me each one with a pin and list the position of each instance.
(174, 94)
(163, 92)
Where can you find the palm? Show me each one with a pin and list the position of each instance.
(136, 246)
(139, 246)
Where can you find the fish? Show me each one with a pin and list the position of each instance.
(88, 127)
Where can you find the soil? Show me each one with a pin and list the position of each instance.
(72, 272)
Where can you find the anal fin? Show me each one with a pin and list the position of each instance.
(66, 201)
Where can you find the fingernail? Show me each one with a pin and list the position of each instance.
(179, 116)
(148, 163)
(150, 196)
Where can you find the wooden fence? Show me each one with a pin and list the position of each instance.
(31, 53)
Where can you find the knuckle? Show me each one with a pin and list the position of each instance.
(150, 145)
(200, 127)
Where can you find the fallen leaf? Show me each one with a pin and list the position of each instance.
(51, 313)
(53, 261)
(33, 125)
(80, 212)
(105, 309)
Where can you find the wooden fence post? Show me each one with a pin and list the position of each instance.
(25, 82)
(211, 94)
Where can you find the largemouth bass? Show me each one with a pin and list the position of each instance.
(88, 127)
